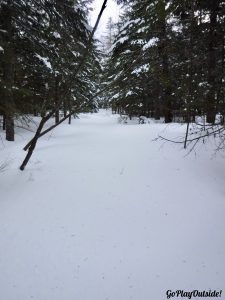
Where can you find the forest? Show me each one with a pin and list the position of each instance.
(42, 46)
(162, 59)
(112, 139)
(167, 60)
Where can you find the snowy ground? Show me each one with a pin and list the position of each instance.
(103, 212)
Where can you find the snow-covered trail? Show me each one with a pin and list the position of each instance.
(102, 212)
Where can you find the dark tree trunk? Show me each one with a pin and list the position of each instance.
(9, 125)
(8, 72)
(37, 136)
(3, 122)
(33, 144)
(157, 114)
(56, 99)
(65, 107)
(190, 78)
(34, 141)
(70, 119)
(166, 89)
(211, 95)
(35, 112)
(168, 112)
(70, 109)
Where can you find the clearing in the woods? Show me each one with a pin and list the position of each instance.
(104, 212)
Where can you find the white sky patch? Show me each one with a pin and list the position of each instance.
(112, 10)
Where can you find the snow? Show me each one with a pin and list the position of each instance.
(130, 23)
(204, 83)
(45, 61)
(104, 212)
(152, 42)
(137, 42)
(142, 69)
(130, 93)
(1, 49)
(88, 27)
(119, 41)
(142, 29)
(76, 54)
(56, 35)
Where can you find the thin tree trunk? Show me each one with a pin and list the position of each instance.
(47, 130)
(186, 135)
(70, 110)
(34, 142)
(57, 99)
(65, 107)
(156, 114)
(166, 90)
(211, 96)
(190, 72)
(3, 122)
(8, 73)
(70, 119)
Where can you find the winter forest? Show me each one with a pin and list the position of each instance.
(112, 164)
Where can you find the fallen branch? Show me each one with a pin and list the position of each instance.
(34, 141)
(214, 132)
(47, 130)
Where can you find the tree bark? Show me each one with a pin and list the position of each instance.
(211, 95)
(8, 72)
(3, 122)
(157, 113)
(9, 126)
(70, 110)
(166, 89)
(57, 104)
(34, 141)
(28, 145)
(65, 107)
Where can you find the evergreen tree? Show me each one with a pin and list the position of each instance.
(168, 59)
(42, 44)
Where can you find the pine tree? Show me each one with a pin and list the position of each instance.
(168, 59)
(42, 44)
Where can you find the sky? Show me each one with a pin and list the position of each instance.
(112, 10)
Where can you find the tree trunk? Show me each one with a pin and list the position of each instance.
(70, 119)
(3, 122)
(70, 109)
(9, 125)
(8, 72)
(56, 99)
(40, 134)
(166, 89)
(157, 113)
(65, 107)
(211, 95)
(34, 141)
